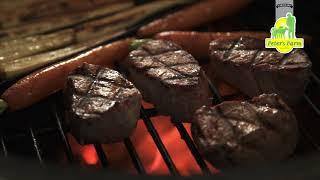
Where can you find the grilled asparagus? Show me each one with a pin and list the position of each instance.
(87, 36)
(15, 12)
(79, 21)
(55, 23)
(22, 47)
(17, 67)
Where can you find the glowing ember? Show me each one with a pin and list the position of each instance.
(86, 154)
(176, 147)
(151, 158)
(89, 155)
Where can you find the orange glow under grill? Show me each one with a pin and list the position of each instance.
(151, 158)
(89, 155)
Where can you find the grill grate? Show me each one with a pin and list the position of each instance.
(35, 145)
(156, 138)
(185, 136)
(145, 115)
(102, 155)
(134, 156)
(314, 107)
(67, 146)
(4, 149)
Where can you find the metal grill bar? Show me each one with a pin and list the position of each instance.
(314, 107)
(214, 90)
(156, 138)
(151, 112)
(65, 141)
(145, 115)
(102, 155)
(35, 145)
(187, 139)
(4, 148)
(134, 156)
(315, 78)
(316, 110)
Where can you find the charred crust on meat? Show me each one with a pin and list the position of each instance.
(263, 70)
(165, 61)
(168, 77)
(101, 105)
(245, 132)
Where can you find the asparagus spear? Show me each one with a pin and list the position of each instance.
(111, 26)
(23, 47)
(91, 33)
(17, 67)
(28, 46)
(105, 25)
(16, 12)
(59, 23)
(56, 23)
(66, 6)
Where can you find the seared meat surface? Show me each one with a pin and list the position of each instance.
(101, 105)
(247, 65)
(241, 133)
(168, 77)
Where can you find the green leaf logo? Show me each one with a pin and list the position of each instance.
(283, 35)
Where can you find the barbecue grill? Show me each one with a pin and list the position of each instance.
(33, 134)
(42, 134)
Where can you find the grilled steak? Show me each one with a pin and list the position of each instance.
(247, 65)
(101, 105)
(168, 77)
(241, 133)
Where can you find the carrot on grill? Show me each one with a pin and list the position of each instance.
(194, 16)
(197, 43)
(44, 82)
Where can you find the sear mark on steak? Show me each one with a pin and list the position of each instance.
(101, 105)
(247, 65)
(169, 77)
(236, 133)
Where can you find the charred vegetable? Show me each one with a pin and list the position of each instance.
(22, 47)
